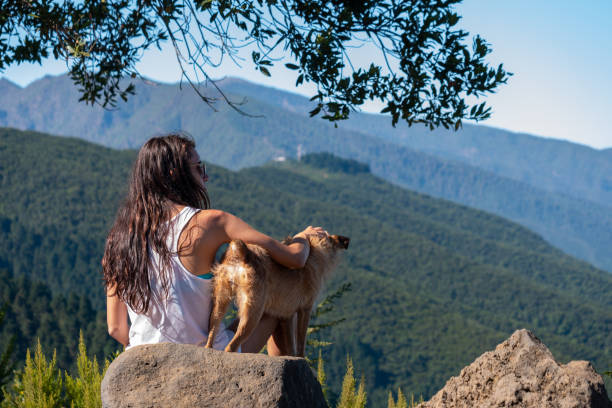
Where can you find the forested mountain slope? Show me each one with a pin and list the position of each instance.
(434, 283)
(578, 226)
(34, 312)
(58, 197)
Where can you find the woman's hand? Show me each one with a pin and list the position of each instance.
(301, 242)
(311, 231)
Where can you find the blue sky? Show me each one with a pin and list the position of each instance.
(559, 51)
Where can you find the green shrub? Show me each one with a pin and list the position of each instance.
(401, 400)
(316, 325)
(84, 390)
(349, 398)
(321, 376)
(38, 385)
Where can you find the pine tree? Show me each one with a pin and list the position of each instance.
(324, 307)
(321, 376)
(39, 385)
(361, 397)
(84, 391)
(390, 401)
(348, 397)
(401, 400)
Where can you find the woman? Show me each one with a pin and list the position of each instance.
(162, 245)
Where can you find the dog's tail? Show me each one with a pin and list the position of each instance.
(237, 250)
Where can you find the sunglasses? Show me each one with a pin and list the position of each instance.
(201, 168)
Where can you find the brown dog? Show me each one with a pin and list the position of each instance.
(260, 285)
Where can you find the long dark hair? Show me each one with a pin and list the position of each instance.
(161, 176)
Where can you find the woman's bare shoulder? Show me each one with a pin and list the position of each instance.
(212, 217)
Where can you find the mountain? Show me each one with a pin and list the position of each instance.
(548, 164)
(552, 165)
(434, 284)
(576, 219)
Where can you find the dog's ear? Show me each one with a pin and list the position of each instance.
(341, 241)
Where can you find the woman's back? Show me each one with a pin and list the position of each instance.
(182, 316)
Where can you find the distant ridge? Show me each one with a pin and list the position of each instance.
(558, 189)
(6, 84)
(546, 163)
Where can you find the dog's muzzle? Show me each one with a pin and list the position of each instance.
(341, 240)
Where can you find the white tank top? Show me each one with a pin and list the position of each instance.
(183, 316)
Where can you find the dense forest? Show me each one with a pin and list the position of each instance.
(558, 189)
(34, 311)
(434, 284)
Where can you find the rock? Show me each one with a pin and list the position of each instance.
(180, 375)
(522, 372)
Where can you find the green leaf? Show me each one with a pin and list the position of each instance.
(265, 71)
(315, 111)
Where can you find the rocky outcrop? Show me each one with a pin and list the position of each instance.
(178, 375)
(522, 372)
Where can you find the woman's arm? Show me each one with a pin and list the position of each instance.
(292, 256)
(117, 318)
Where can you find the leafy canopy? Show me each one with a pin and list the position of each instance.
(423, 71)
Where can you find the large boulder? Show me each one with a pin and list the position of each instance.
(179, 375)
(522, 372)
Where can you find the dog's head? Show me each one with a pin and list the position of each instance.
(331, 242)
(340, 241)
(325, 253)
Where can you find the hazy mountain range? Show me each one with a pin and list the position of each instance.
(549, 164)
(558, 189)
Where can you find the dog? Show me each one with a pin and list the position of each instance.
(260, 285)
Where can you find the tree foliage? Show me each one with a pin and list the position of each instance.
(6, 359)
(350, 397)
(84, 390)
(316, 325)
(321, 376)
(423, 73)
(39, 385)
(401, 400)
